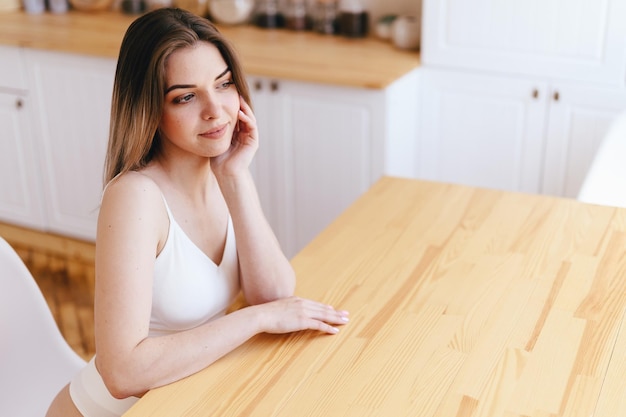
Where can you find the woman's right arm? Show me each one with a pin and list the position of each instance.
(132, 226)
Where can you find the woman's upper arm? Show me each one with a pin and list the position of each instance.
(130, 226)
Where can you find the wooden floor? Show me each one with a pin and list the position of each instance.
(64, 270)
(68, 289)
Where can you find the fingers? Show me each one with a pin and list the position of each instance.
(329, 315)
(246, 112)
(322, 317)
(246, 123)
(323, 327)
(245, 107)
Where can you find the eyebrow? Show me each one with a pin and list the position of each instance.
(175, 86)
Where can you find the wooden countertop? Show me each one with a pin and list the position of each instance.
(463, 302)
(301, 56)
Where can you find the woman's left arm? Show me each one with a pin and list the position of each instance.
(265, 272)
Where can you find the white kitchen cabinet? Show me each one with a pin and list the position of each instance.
(322, 146)
(20, 191)
(512, 133)
(273, 186)
(580, 40)
(517, 95)
(579, 117)
(333, 158)
(12, 70)
(72, 98)
(481, 130)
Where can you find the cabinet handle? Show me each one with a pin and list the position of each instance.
(19, 103)
(258, 86)
(535, 93)
(274, 86)
(556, 96)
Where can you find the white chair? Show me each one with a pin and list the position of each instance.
(605, 182)
(35, 360)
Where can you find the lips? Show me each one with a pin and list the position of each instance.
(215, 133)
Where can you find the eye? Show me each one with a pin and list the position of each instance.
(226, 84)
(184, 98)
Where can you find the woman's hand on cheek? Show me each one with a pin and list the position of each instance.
(244, 143)
(246, 132)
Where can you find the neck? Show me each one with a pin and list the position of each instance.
(192, 177)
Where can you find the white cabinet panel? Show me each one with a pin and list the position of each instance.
(579, 118)
(320, 148)
(579, 40)
(572, 53)
(12, 73)
(331, 158)
(268, 166)
(512, 133)
(20, 194)
(401, 124)
(480, 130)
(73, 94)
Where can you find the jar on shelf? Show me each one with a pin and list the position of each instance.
(268, 15)
(133, 6)
(353, 19)
(325, 17)
(295, 15)
(231, 12)
(58, 6)
(34, 6)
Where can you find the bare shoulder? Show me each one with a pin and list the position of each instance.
(132, 185)
(133, 201)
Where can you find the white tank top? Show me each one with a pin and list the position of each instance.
(188, 289)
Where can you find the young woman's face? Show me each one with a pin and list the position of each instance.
(200, 110)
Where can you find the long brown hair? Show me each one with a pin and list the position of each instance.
(139, 87)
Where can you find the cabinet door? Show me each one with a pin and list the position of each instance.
(322, 146)
(268, 167)
(315, 153)
(580, 40)
(20, 193)
(329, 157)
(482, 130)
(580, 117)
(73, 95)
(12, 68)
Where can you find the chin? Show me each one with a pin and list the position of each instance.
(220, 149)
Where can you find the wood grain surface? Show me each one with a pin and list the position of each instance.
(301, 56)
(464, 302)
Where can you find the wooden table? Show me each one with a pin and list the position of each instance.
(463, 301)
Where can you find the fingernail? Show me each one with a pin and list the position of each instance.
(344, 318)
(334, 330)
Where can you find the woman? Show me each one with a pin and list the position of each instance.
(180, 230)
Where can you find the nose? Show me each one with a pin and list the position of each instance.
(211, 108)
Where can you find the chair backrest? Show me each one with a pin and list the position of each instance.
(35, 360)
(605, 182)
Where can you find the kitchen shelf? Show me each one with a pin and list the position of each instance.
(302, 56)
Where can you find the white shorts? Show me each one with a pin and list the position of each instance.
(91, 396)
